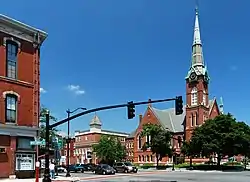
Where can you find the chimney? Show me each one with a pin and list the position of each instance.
(149, 104)
(140, 118)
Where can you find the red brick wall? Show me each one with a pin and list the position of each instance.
(27, 85)
(7, 160)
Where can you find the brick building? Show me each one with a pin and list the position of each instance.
(85, 139)
(19, 95)
(64, 153)
(198, 108)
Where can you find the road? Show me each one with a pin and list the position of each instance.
(170, 176)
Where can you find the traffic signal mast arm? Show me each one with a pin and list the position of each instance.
(106, 108)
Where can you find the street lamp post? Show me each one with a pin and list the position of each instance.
(68, 139)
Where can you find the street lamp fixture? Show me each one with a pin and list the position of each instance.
(68, 139)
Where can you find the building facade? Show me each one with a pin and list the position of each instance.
(197, 110)
(84, 140)
(19, 95)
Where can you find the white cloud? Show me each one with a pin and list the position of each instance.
(76, 89)
(42, 90)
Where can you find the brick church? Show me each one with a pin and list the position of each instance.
(197, 110)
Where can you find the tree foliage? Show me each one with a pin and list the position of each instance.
(109, 149)
(159, 142)
(222, 135)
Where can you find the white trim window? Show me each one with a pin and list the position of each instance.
(204, 98)
(11, 108)
(11, 56)
(194, 97)
(25, 162)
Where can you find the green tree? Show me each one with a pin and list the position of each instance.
(159, 142)
(222, 135)
(109, 149)
(186, 149)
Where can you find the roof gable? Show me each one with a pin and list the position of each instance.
(214, 109)
(168, 119)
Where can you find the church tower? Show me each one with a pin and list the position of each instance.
(197, 80)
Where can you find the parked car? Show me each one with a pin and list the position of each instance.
(126, 167)
(61, 169)
(90, 167)
(77, 167)
(104, 169)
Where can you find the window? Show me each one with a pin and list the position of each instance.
(204, 98)
(139, 158)
(25, 162)
(143, 158)
(139, 142)
(24, 143)
(11, 109)
(11, 56)
(194, 100)
(151, 158)
(179, 141)
(191, 120)
(148, 138)
(195, 119)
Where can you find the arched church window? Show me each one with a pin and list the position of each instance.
(139, 141)
(204, 98)
(196, 119)
(194, 99)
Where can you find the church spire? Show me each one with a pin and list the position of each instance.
(197, 35)
(197, 54)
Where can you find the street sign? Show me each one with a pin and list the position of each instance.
(60, 143)
(35, 142)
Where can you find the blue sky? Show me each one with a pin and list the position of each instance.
(115, 51)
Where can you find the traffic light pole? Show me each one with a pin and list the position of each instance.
(49, 127)
(46, 171)
(106, 108)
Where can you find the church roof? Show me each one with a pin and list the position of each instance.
(169, 120)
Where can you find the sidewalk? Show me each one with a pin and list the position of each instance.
(58, 178)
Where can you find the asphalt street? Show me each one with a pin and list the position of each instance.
(169, 176)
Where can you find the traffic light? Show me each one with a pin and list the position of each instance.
(178, 105)
(131, 110)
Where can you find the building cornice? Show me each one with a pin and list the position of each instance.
(15, 130)
(20, 30)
